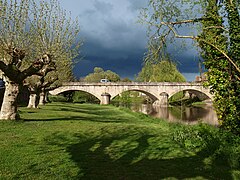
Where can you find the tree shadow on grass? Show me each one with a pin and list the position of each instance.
(106, 158)
(79, 118)
(82, 113)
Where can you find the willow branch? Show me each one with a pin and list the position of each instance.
(206, 42)
(176, 34)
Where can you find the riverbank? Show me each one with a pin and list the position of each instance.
(72, 141)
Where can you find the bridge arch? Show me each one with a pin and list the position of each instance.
(152, 96)
(62, 90)
(202, 94)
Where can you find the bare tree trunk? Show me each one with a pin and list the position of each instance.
(9, 105)
(42, 98)
(32, 103)
(46, 97)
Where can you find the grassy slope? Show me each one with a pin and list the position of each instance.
(72, 141)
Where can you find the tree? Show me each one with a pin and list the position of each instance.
(39, 85)
(163, 71)
(112, 76)
(126, 80)
(99, 74)
(32, 38)
(98, 70)
(223, 77)
(218, 38)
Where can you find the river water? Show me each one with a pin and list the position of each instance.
(181, 114)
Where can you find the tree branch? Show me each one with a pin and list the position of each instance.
(35, 68)
(204, 41)
(11, 71)
(49, 83)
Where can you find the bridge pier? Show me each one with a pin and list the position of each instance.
(188, 94)
(163, 100)
(105, 98)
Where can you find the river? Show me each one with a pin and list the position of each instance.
(186, 115)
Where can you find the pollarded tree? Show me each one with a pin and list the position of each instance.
(55, 79)
(16, 40)
(39, 85)
(218, 23)
(33, 36)
(35, 83)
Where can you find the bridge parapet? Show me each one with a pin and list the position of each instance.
(131, 84)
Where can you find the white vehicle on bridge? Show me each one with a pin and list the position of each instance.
(104, 80)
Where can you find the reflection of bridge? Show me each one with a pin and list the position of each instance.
(158, 92)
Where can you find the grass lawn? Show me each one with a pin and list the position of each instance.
(83, 141)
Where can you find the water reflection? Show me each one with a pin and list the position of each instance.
(187, 115)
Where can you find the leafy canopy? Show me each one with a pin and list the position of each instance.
(99, 74)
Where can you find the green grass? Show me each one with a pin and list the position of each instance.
(83, 141)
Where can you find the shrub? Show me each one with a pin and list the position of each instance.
(58, 98)
(210, 142)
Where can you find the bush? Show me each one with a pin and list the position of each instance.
(210, 142)
(83, 97)
(58, 98)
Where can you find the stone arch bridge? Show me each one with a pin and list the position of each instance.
(159, 92)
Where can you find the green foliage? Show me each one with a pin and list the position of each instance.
(124, 98)
(35, 38)
(58, 98)
(177, 96)
(99, 74)
(129, 97)
(30, 31)
(216, 33)
(163, 71)
(213, 143)
(60, 41)
(126, 80)
(83, 97)
(223, 78)
(98, 70)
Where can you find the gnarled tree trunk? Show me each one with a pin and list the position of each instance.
(9, 105)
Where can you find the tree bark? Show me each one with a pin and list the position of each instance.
(42, 98)
(46, 97)
(9, 105)
(32, 103)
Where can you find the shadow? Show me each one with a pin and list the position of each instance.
(79, 118)
(84, 113)
(127, 156)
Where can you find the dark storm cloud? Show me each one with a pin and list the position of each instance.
(113, 39)
(124, 60)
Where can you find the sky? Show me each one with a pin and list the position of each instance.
(114, 40)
